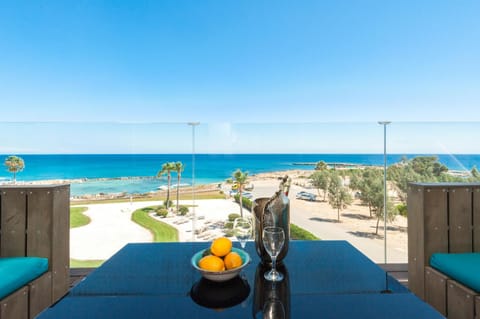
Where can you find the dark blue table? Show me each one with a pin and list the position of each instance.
(388, 306)
(324, 279)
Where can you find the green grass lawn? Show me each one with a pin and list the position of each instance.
(75, 263)
(161, 232)
(301, 234)
(77, 218)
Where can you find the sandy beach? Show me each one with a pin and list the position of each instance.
(111, 227)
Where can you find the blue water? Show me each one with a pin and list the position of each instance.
(209, 168)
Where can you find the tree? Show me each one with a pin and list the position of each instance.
(369, 183)
(167, 169)
(320, 180)
(321, 166)
(338, 196)
(240, 180)
(372, 193)
(179, 167)
(14, 165)
(418, 169)
(378, 210)
(428, 166)
(474, 172)
(355, 178)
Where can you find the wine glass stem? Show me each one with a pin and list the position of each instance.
(274, 262)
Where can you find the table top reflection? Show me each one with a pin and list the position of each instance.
(328, 279)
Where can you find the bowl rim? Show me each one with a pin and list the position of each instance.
(241, 252)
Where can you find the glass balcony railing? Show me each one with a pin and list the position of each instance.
(335, 170)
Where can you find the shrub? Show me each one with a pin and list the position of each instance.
(170, 203)
(232, 217)
(229, 233)
(301, 234)
(247, 203)
(151, 208)
(402, 209)
(228, 225)
(162, 212)
(182, 210)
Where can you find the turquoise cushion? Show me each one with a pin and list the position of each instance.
(16, 272)
(464, 268)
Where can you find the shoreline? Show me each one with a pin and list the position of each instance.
(294, 173)
(115, 166)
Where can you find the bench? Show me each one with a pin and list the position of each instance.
(444, 223)
(18, 276)
(453, 282)
(34, 248)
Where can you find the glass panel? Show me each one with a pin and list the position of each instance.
(117, 164)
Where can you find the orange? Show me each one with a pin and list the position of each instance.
(221, 246)
(232, 260)
(211, 263)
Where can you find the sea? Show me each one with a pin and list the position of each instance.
(136, 173)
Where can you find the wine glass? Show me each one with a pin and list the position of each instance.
(242, 228)
(273, 240)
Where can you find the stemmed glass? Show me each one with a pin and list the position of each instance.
(242, 228)
(273, 240)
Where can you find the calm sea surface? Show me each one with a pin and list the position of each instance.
(113, 173)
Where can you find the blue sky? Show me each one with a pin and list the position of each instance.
(231, 138)
(224, 63)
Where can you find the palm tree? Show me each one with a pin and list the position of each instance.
(14, 164)
(179, 169)
(240, 179)
(167, 168)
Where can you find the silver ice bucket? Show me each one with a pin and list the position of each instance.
(274, 211)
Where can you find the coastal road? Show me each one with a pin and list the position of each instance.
(307, 215)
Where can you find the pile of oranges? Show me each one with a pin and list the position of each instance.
(220, 256)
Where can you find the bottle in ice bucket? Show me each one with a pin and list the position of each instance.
(274, 211)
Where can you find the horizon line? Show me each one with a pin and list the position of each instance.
(246, 153)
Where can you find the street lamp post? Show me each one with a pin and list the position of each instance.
(385, 123)
(194, 219)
